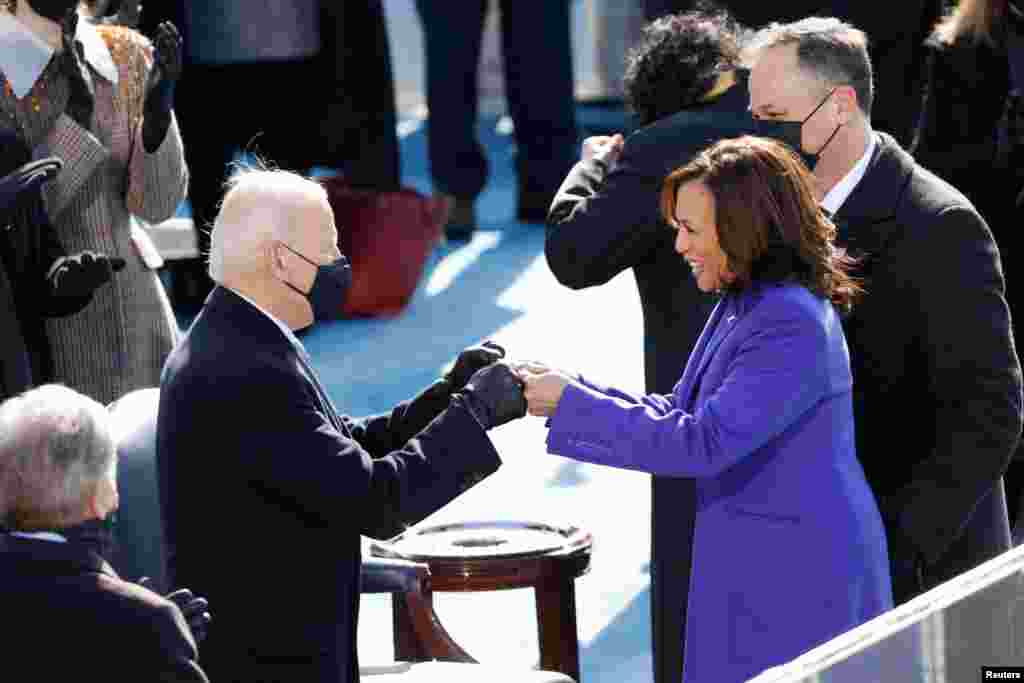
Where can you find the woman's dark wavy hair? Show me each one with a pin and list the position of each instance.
(678, 61)
(769, 223)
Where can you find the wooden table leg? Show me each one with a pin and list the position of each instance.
(556, 627)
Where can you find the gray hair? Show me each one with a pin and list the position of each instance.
(831, 50)
(55, 448)
(254, 211)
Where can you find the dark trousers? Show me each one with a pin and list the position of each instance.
(335, 110)
(538, 84)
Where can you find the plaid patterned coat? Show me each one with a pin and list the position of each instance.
(119, 342)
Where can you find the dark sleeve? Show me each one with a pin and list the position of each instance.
(975, 378)
(179, 658)
(295, 454)
(961, 106)
(602, 223)
(381, 434)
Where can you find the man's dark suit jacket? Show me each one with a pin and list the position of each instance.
(265, 491)
(937, 382)
(602, 223)
(69, 617)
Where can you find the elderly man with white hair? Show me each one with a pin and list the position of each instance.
(69, 614)
(263, 484)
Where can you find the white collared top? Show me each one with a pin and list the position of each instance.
(40, 536)
(24, 56)
(841, 190)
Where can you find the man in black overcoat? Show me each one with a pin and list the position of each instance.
(686, 89)
(937, 382)
(262, 482)
(70, 616)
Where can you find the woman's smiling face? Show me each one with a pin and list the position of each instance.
(697, 236)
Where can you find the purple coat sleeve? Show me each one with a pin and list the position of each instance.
(763, 378)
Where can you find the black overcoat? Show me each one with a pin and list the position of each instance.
(80, 621)
(937, 382)
(265, 491)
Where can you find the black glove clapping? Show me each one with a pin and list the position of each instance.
(81, 93)
(19, 184)
(195, 609)
(472, 359)
(494, 395)
(166, 70)
(77, 276)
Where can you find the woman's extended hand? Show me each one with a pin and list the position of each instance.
(542, 387)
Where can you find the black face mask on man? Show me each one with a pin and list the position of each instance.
(791, 133)
(330, 287)
(54, 10)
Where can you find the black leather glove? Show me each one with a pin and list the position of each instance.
(195, 609)
(469, 361)
(14, 152)
(77, 276)
(19, 185)
(494, 395)
(166, 71)
(81, 92)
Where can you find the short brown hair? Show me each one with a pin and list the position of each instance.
(832, 50)
(769, 224)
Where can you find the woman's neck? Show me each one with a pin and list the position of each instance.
(49, 31)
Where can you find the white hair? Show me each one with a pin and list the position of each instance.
(55, 448)
(256, 209)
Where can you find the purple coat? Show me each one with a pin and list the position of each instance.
(789, 548)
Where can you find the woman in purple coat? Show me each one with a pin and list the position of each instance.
(789, 548)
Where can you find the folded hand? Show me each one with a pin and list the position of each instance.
(543, 387)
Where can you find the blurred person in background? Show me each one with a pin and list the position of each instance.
(100, 99)
(303, 83)
(971, 133)
(761, 419)
(38, 279)
(537, 59)
(686, 88)
(895, 33)
(58, 469)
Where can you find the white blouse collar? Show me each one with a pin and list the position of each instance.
(23, 55)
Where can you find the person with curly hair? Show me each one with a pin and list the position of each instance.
(895, 29)
(687, 89)
(761, 419)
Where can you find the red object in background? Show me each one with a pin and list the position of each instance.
(387, 237)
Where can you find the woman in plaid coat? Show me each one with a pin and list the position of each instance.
(104, 108)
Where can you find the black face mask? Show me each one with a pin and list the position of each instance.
(54, 10)
(791, 133)
(330, 287)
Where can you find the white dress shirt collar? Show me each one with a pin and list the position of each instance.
(40, 536)
(24, 56)
(833, 201)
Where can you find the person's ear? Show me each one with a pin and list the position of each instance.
(102, 499)
(845, 103)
